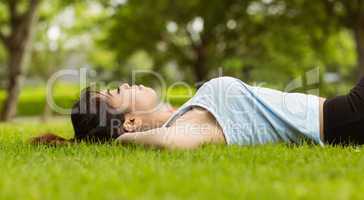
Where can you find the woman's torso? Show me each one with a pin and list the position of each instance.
(250, 115)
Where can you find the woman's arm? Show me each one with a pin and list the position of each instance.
(181, 137)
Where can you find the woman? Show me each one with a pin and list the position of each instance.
(224, 110)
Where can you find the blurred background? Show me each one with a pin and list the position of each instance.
(270, 41)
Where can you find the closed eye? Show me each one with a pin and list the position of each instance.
(107, 95)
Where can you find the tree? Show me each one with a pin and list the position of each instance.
(256, 40)
(243, 37)
(198, 35)
(350, 15)
(324, 18)
(19, 27)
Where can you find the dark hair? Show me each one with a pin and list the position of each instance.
(93, 120)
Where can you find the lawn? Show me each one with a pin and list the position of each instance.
(109, 171)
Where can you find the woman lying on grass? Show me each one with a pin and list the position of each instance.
(224, 110)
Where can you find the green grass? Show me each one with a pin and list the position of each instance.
(109, 171)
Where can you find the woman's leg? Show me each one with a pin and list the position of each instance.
(344, 117)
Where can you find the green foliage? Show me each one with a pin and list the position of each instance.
(269, 41)
(110, 171)
(2, 64)
(193, 34)
(272, 42)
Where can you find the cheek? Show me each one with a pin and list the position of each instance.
(124, 101)
(152, 95)
(155, 97)
(147, 100)
(117, 102)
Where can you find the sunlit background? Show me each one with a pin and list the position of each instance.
(270, 41)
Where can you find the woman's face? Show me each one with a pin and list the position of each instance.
(133, 99)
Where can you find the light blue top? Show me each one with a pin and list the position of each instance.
(253, 115)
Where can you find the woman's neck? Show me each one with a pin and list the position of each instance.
(160, 116)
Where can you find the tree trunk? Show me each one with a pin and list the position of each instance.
(247, 73)
(199, 65)
(17, 44)
(359, 40)
(15, 65)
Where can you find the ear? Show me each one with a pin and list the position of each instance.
(132, 123)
